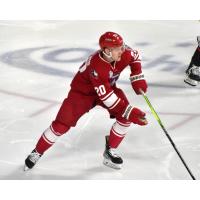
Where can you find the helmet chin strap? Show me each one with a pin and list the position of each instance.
(109, 56)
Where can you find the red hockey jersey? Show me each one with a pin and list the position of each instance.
(97, 76)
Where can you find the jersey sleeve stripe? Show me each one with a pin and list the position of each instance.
(115, 104)
(110, 101)
(107, 96)
(136, 61)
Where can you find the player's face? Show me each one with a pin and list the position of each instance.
(117, 53)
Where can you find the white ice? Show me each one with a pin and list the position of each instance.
(37, 62)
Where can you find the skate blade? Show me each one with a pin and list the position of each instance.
(191, 82)
(108, 163)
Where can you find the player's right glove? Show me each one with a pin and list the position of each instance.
(135, 115)
(138, 82)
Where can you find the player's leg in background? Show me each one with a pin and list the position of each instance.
(72, 108)
(193, 70)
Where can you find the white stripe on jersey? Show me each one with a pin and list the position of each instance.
(110, 100)
(136, 61)
(138, 57)
(108, 95)
(135, 54)
(115, 103)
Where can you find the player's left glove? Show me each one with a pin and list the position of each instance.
(138, 82)
(135, 115)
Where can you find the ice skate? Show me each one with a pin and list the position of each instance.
(193, 76)
(111, 159)
(193, 71)
(31, 160)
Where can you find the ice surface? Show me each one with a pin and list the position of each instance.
(37, 62)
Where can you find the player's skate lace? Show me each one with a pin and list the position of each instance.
(113, 152)
(34, 156)
(195, 70)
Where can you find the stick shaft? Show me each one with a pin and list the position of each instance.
(166, 133)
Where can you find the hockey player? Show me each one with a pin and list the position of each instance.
(95, 84)
(193, 70)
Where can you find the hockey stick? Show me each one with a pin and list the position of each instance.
(166, 133)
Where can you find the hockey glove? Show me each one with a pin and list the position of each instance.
(138, 82)
(135, 115)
